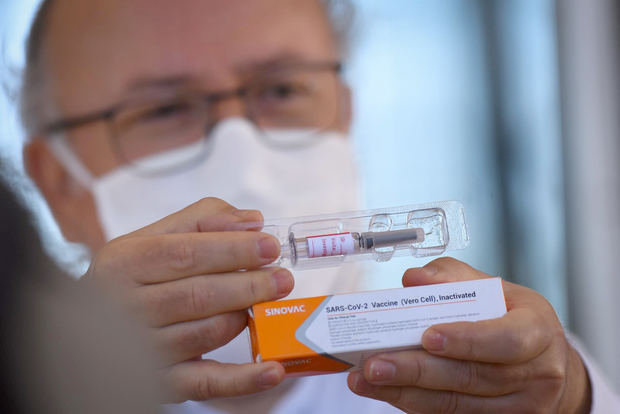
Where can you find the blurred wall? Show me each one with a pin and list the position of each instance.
(459, 99)
(423, 119)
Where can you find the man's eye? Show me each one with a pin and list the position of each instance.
(282, 92)
(163, 112)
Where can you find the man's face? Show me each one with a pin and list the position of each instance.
(102, 52)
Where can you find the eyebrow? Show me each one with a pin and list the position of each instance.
(176, 81)
(166, 82)
(280, 60)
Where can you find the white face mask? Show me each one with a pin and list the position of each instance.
(245, 172)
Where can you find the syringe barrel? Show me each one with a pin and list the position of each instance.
(391, 238)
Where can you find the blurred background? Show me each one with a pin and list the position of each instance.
(510, 106)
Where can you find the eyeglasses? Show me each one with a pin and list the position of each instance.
(301, 100)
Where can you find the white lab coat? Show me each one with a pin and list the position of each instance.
(604, 399)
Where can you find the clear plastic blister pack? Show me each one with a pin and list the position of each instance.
(329, 240)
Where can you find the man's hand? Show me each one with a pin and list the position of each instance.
(519, 363)
(191, 277)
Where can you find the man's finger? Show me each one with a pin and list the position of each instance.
(203, 380)
(187, 340)
(418, 368)
(442, 270)
(516, 337)
(156, 259)
(202, 296)
(208, 214)
(423, 401)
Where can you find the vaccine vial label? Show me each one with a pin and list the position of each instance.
(331, 245)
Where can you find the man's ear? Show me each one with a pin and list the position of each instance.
(48, 173)
(72, 205)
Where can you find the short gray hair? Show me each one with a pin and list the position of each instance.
(35, 102)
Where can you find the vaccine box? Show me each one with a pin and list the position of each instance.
(329, 334)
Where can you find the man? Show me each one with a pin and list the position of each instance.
(119, 97)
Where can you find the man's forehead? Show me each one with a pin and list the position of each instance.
(117, 41)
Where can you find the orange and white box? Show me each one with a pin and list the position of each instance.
(328, 334)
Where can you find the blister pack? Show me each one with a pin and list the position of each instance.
(328, 240)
